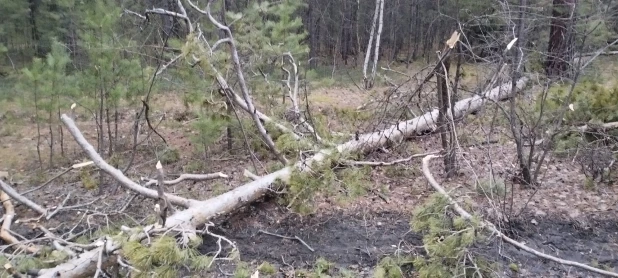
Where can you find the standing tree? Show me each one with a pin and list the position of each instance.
(445, 115)
(560, 46)
(378, 19)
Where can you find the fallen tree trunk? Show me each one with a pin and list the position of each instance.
(251, 191)
(491, 227)
(200, 212)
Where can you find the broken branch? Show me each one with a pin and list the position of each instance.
(187, 177)
(115, 173)
(288, 237)
(20, 198)
(386, 163)
(9, 214)
(463, 213)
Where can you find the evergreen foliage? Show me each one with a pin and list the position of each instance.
(447, 240)
(163, 258)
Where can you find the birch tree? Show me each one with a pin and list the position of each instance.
(378, 19)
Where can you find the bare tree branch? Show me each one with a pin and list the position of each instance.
(187, 177)
(293, 94)
(387, 163)
(115, 173)
(463, 213)
(20, 198)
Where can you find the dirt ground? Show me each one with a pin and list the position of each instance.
(560, 217)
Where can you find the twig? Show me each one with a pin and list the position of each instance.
(73, 167)
(11, 270)
(47, 182)
(250, 175)
(61, 248)
(147, 108)
(121, 262)
(495, 230)
(184, 177)
(293, 94)
(126, 205)
(219, 238)
(50, 215)
(99, 262)
(287, 237)
(389, 163)
(62, 207)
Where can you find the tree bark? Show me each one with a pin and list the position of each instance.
(524, 165)
(374, 22)
(447, 137)
(377, 50)
(560, 45)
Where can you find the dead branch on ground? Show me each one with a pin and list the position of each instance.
(20, 198)
(115, 173)
(73, 167)
(187, 177)
(9, 214)
(386, 163)
(289, 237)
(463, 213)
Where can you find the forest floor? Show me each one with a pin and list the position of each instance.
(559, 217)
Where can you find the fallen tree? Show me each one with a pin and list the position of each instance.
(198, 213)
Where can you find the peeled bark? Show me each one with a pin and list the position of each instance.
(200, 212)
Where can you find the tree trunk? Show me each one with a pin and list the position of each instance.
(444, 120)
(36, 37)
(313, 35)
(560, 45)
(377, 50)
(374, 22)
(514, 121)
